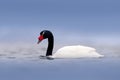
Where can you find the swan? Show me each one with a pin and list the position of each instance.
(76, 51)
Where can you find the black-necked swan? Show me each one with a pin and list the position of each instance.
(76, 51)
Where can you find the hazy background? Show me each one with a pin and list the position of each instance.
(71, 21)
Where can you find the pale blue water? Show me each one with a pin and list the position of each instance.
(21, 62)
(61, 69)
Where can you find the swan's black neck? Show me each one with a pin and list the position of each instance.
(47, 34)
(50, 45)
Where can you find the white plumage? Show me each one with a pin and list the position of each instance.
(77, 51)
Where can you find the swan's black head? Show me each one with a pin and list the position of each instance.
(44, 35)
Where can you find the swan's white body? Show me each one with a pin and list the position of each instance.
(76, 52)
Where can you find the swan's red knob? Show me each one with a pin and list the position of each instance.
(40, 38)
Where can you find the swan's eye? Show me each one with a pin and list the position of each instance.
(43, 33)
